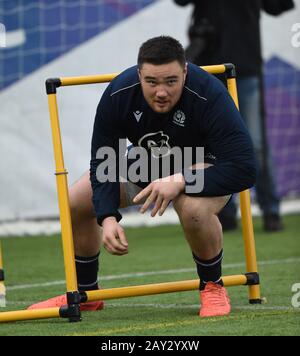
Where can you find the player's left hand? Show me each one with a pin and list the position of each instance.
(161, 192)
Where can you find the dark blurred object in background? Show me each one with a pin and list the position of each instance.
(229, 31)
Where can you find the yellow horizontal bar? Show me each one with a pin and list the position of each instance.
(123, 292)
(105, 78)
(215, 69)
(149, 289)
(19, 315)
(89, 79)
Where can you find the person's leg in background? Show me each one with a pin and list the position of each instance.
(266, 192)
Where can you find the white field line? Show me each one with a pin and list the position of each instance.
(113, 305)
(152, 273)
(26, 228)
(196, 306)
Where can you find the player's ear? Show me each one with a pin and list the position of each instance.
(139, 73)
(185, 68)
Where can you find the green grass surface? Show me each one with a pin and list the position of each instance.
(33, 261)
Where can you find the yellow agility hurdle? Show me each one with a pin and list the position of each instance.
(74, 297)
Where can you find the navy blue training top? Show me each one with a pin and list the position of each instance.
(205, 116)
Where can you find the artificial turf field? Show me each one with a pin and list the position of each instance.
(34, 271)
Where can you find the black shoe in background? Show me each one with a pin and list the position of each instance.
(228, 223)
(272, 223)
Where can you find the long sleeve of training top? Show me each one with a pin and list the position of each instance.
(106, 135)
(234, 169)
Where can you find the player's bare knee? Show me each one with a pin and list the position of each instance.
(74, 206)
(80, 206)
(192, 211)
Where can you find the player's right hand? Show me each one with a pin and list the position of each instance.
(113, 237)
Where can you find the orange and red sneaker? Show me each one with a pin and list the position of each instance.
(214, 301)
(61, 300)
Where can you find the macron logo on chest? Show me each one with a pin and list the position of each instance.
(137, 114)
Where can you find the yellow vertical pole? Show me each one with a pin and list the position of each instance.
(63, 197)
(247, 223)
(2, 285)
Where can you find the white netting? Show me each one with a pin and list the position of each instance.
(39, 31)
(58, 39)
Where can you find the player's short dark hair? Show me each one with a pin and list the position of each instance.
(161, 50)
